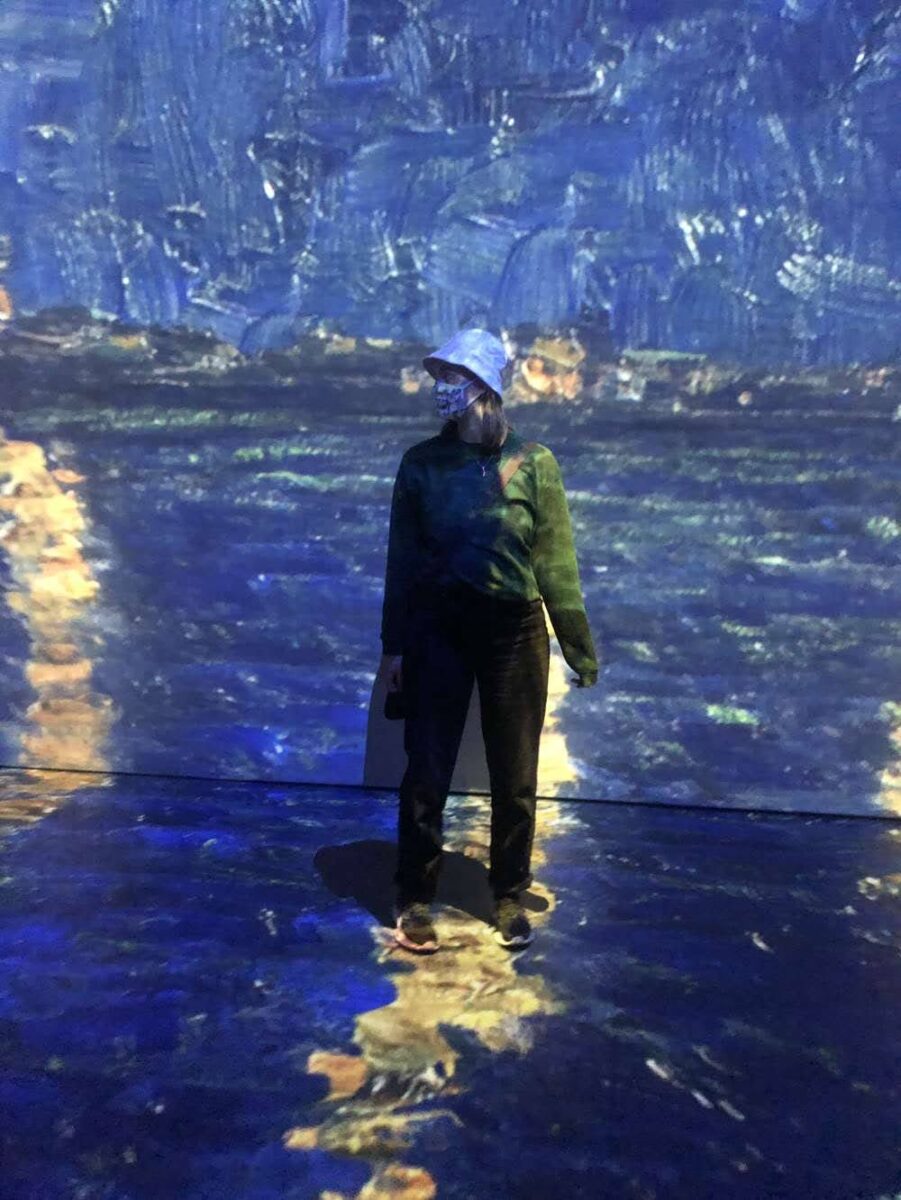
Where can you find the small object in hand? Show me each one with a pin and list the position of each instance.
(395, 706)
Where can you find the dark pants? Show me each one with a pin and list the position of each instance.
(458, 635)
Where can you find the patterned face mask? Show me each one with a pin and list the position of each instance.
(450, 398)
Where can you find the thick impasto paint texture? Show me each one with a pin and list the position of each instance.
(231, 229)
(700, 176)
(229, 232)
(195, 555)
(201, 999)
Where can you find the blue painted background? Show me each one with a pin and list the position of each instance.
(229, 230)
(686, 174)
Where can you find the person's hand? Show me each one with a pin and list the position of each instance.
(393, 664)
(583, 681)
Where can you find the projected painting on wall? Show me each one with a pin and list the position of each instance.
(231, 230)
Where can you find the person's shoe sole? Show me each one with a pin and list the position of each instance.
(401, 938)
(515, 941)
(512, 943)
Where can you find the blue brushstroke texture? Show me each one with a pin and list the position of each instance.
(710, 177)
(159, 1003)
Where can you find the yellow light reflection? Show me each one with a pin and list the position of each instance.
(67, 725)
(471, 983)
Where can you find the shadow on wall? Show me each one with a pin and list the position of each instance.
(385, 758)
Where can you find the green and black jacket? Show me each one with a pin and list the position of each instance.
(450, 522)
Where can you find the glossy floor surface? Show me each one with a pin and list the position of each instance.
(199, 998)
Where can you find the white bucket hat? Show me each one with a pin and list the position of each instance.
(475, 349)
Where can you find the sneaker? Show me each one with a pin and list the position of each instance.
(512, 928)
(414, 929)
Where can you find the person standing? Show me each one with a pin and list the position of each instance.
(476, 545)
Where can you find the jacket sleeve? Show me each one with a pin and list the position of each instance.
(556, 570)
(401, 563)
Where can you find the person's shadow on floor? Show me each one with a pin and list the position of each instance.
(364, 870)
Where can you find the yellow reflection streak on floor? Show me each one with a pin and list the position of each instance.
(471, 983)
(67, 724)
(889, 794)
(875, 887)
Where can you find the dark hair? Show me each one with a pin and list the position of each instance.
(494, 421)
